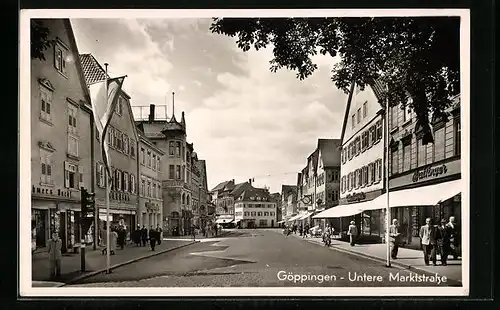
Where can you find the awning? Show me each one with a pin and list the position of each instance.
(280, 222)
(296, 217)
(342, 210)
(223, 221)
(306, 215)
(429, 195)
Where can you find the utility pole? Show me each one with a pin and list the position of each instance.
(87, 201)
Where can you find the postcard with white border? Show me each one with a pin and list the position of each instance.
(244, 152)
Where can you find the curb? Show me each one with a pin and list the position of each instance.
(93, 273)
(452, 282)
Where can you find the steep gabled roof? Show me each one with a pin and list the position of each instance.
(378, 89)
(224, 186)
(330, 151)
(240, 188)
(255, 192)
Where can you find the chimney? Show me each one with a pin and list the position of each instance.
(250, 181)
(151, 112)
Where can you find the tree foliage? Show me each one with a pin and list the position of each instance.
(39, 39)
(417, 59)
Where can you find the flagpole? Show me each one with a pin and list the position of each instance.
(388, 211)
(108, 226)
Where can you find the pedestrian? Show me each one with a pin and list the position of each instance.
(152, 238)
(305, 231)
(443, 242)
(454, 232)
(327, 235)
(428, 240)
(144, 235)
(113, 238)
(137, 235)
(159, 234)
(55, 256)
(121, 236)
(394, 238)
(353, 233)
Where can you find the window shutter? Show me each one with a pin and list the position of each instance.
(80, 176)
(122, 183)
(66, 175)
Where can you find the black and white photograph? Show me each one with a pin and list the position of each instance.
(244, 153)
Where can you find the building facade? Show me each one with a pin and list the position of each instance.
(60, 138)
(363, 157)
(179, 190)
(123, 143)
(288, 201)
(254, 208)
(414, 165)
(150, 190)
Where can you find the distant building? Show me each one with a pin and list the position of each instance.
(60, 139)
(288, 208)
(150, 190)
(255, 207)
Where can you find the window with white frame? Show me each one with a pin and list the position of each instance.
(100, 174)
(143, 186)
(178, 149)
(178, 172)
(143, 156)
(377, 175)
(70, 175)
(158, 163)
(60, 54)
(407, 155)
(46, 166)
(111, 136)
(149, 188)
(132, 183)
(394, 116)
(158, 187)
(149, 159)
(132, 148)
(80, 177)
(394, 161)
(353, 120)
(46, 103)
(125, 182)
(125, 144)
(378, 130)
(119, 180)
(119, 105)
(153, 163)
(154, 190)
(72, 116)
(171, 148)
(72, 145)
(439, 142)
(365, 111)
(406, 111)
(359, 115)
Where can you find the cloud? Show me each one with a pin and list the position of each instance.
(244, 120)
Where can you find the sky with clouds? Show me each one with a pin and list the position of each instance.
(244, 120)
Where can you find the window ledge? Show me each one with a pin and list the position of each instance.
(376, 142)
(74, 157)
(46, 184)
(64, 75)
(393, 130)
(408, 122)
(43, 120)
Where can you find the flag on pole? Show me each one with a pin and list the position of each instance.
(103, 111)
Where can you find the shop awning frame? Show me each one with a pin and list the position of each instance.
(429, 195)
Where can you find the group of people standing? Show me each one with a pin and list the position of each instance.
(140, 236)
(443, 239)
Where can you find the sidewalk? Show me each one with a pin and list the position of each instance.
(95, 262)
(407, 258)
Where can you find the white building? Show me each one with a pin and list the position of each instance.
(363, 157)
(254, 207)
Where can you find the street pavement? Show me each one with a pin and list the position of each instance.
(94, 262)
(260, 258)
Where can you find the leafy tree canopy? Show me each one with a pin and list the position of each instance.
(417, 58)
(39, 39)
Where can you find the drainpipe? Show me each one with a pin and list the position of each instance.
(138, 209)
(92, 183)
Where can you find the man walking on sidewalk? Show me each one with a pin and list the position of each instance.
(352, 232)
(55, 256)
(428, 240)
(152, 238)
(394, 235)
(443, 242)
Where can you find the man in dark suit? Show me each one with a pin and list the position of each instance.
(394, 238)
(454, 231)
(443, 242)
(428, 240)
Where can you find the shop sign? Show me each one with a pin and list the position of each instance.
(356, 197)
(51, 192)
(429, 172)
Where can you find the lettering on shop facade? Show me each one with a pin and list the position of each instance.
(356, 197)
(51, 192)
(429, 172)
